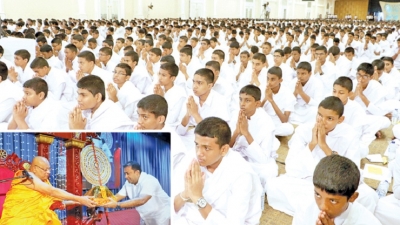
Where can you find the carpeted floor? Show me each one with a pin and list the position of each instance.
(124, 217)
(274, 217)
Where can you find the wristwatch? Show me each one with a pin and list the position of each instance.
(201, 203)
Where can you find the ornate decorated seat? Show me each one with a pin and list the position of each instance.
(9, 164)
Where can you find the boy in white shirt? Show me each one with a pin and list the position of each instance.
(335, 179)
(279, 102)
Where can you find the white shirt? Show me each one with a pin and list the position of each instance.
(233, 191)
(175, 97)
(285, 101)
(355, 214)
(128, 97)
(215, 105)
(9, 95)
(110, 112)
(157, 209)
(301, 161)
(55, 62)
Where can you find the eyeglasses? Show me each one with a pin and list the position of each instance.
(277, 56)
(119, 73)
(48, 170)
(364, 77)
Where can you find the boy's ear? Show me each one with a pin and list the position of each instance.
(41, 95)
(161, 119)
(353, 197)
(224, 149)
(341, 119)
(98, 97)
(258, 103)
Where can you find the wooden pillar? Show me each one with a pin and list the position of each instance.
(44, 141)
(74, 178)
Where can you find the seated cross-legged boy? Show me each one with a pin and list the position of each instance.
(174, 94)
(36, 111)
(308, 91)
(370, 94)
(257, 146)
(279, 102)
(354, 114)
(219, 187)
(258, 76)
(205, 103)
(125, 95)
(94, 111)
(309, 144)
(335, 180)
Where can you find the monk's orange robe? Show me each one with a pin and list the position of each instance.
(24, 206)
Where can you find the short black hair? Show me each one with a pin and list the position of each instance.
(251, 90)
(172, 68)
(24, 54)
(38, 85)
(276, 70)
(345, 82)
(260, 56)
(214, 64)
(337, 175)
(333, 103)
(3, 71)
(367, 68)
(207, 74)
(388, 59)
(380, 65)
(126, 67)
(305, 66)
(88, 56)
(133, 165)
(154, 104)
(214, 127)
(39, 63)
(94, 84)
(167, 58)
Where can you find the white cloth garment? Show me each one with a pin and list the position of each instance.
(175, 97)
(215, 105)
(304, 112)
(356, 214)
(233, 191)
(388, 208)
(49, 115)
(157, 209)
(9, 95)
(285, 101)
(128, 97)
(261, 153)
(107, 117)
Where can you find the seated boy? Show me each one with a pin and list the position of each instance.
(36, 111)
(257, 146)
(205, 103)
(94, 111)
(335, 180)
(278, 102)
(174, 94)
(370, 94)
(355, 115)
(124, 92)
(229, 190)
(258, 76)
(308, 91)
(9, 95)
(58, 82)
(388, 208)
(309, 144)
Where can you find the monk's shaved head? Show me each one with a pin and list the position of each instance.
(41, 167)
(39, 160)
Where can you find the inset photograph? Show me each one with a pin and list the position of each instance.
(85, 178)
